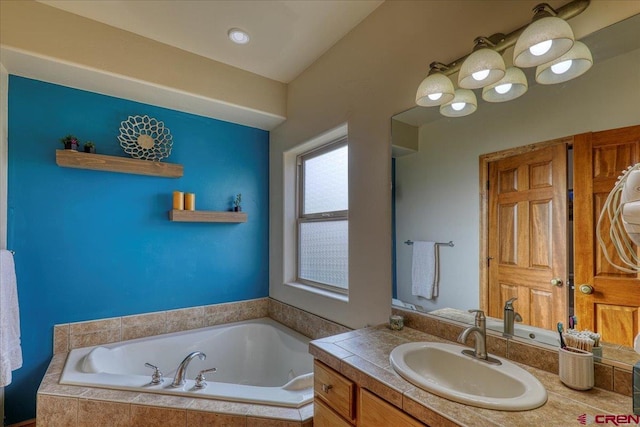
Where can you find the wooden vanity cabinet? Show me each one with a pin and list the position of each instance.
(375, 412)
(335, 391)
(335, 404)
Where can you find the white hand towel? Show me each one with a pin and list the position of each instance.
(424, 270)
(10, 350)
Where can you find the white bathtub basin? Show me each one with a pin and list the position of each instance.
(443, 370)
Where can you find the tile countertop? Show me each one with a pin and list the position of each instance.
(363, 356)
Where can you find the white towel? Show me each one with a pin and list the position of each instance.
(424, 270)
(10, 350)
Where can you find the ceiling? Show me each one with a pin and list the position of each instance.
(286, 35)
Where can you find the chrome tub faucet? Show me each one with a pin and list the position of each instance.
(181, 372)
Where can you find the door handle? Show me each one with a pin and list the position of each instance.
(586, 289)
(556, 281)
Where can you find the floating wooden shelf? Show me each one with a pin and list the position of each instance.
(206, 216)
(101, 162)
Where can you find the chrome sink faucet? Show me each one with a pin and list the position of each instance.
(480, 333)
(510, 317)
(181, 372)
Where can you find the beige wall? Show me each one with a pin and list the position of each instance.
(371, 74)
(55, 37)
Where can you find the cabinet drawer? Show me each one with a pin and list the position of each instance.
(375, 412)
(325, 417)
(336, 391)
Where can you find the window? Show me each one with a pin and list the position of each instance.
(322, 216)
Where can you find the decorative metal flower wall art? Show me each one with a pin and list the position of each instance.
(146, 138)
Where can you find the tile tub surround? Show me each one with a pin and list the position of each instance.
(65, 405)
(615, 375)
(363, 356)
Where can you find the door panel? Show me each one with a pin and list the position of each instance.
(614, 306)
(527, 234)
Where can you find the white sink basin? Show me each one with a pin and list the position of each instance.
(442, 369)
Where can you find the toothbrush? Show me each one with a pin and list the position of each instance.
(560, 329)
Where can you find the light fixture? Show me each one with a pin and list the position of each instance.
(544, 40)
(512, 85)
(435, 89)
(238, 36)
(463, 104)
(569, 66)
(549, 37)
(483, 67)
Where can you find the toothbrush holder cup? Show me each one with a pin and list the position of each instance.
(576, 368)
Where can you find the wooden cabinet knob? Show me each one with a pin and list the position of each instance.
(326, 387)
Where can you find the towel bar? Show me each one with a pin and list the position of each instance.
(450, 243)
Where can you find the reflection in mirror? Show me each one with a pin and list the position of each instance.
(436, 173)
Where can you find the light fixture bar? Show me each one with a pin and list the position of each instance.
(503, 42)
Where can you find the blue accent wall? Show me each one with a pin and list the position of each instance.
(93, 244)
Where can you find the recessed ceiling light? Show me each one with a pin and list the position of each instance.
(238, 36)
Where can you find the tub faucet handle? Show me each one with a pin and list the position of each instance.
(200, 379)
(156, 377)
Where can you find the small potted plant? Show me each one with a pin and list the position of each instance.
(89, 147)
(236, 203)
(70, 142)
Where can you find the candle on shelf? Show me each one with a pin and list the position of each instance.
(190, 201)
(178, 200)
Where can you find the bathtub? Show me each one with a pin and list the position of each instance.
(257, 361)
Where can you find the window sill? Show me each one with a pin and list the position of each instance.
(318, 291)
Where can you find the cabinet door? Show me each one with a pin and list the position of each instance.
(335, 390)
(375, 412)
(325, 417)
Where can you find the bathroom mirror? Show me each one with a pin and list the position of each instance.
(436, 164)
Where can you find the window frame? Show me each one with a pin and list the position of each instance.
(301, 217)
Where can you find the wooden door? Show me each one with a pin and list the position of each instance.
(613, 309)
(527, 234)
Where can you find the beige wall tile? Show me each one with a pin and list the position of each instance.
(622, 381)
(61, 338)
(308, 324)
(144, 325)
(540, 358)
(152, 399)
(263, 415)
(220, 406)
(185, 319)
(153, 416)
(235, 312)
(80, 328)
(603, 376)
(57, 364)
(95, 413)
(306, 413)
(95, 338)
(54, 411)
(209, 419)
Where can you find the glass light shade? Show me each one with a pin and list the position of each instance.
(463, 104)
(542, 30)
(436, 89)
(485, 63)
(581, 61)
(512, 85)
